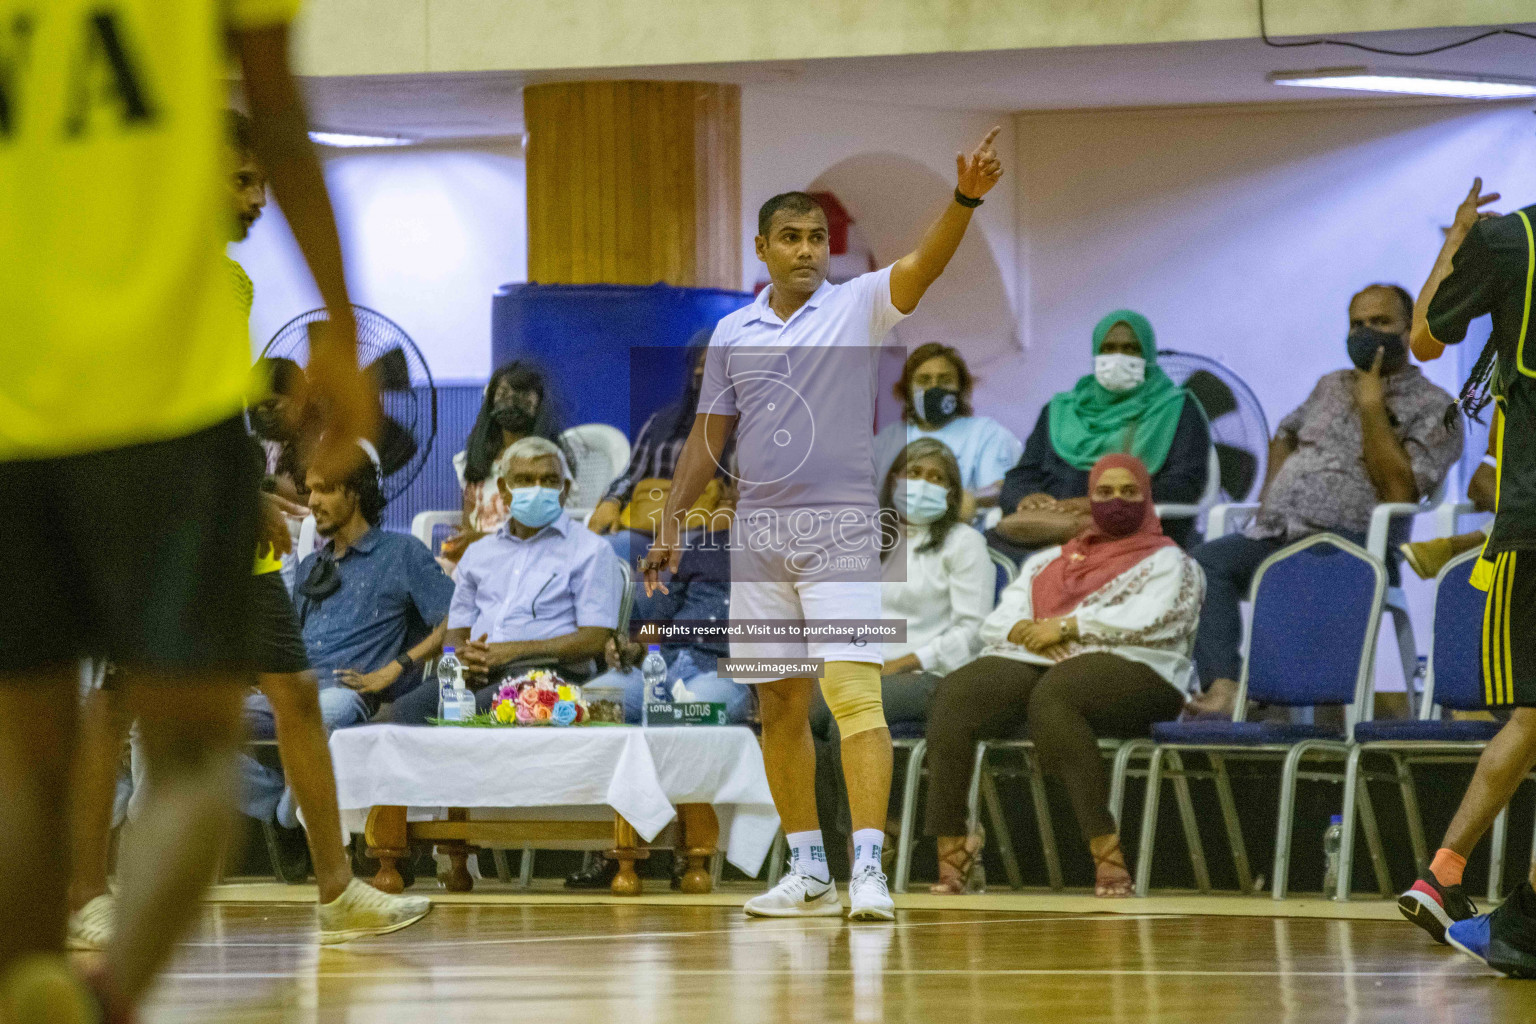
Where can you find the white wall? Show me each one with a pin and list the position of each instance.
(428, 233)
(893, 168)
(1241, 233)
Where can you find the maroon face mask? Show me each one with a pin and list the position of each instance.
(1118, 517)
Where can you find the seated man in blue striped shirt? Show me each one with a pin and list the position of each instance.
(541, 590)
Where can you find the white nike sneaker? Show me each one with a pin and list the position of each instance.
(797, 895)
(362, 911)
(869, 898)
(90, 927)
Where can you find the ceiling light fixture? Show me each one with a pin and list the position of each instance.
(1409, 83)
(346, 140)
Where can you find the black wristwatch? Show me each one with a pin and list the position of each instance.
(405, 663)
(965, 200)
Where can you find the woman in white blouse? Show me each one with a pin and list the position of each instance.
(1093, 639)
(939, 579)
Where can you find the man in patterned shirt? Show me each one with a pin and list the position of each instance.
(1373, 434)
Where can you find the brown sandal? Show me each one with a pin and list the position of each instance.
(959, 868)
(1117, 886)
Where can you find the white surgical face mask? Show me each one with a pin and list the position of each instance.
(1118, 372)
(923, 502)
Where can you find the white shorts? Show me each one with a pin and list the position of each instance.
(801, 600)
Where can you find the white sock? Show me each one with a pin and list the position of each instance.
(866, 848)
(807, 856)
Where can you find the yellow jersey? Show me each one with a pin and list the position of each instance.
(117, 323)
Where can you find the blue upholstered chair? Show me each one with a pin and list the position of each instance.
(1312, 641)
(1455, 681)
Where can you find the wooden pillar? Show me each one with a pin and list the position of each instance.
(634, 183)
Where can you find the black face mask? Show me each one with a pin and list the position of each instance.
(513, 417)
(1363, 343)
(937, 406)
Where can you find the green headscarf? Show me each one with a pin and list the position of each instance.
(1091, 421)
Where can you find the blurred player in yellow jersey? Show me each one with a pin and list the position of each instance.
(289, 694)
(127, 483)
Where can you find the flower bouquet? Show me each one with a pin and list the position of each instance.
(538, 697)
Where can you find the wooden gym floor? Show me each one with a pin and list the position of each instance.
(503, 956)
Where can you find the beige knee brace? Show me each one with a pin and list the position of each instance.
(852, 692)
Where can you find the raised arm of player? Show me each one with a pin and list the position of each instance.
(914, 272)
(1423, 343)
(280, 134)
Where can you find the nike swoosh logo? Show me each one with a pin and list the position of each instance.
(812, 899)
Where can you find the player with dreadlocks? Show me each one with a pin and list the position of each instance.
(1486, 267)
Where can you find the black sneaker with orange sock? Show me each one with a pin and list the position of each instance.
(1434, 907)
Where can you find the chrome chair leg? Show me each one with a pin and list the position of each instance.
(1149, 821)
(904, 842)
(1345, 881)
(1120, 769)
(1410, 797)
(525, 869)
(1373, 841)
(973, 793)
(1191, 825)
(1285, 819)
(1234, 827)
(1005, 839)
(1497, 837)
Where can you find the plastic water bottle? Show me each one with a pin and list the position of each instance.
(653, 671)
(1333, 839)
(450, 684)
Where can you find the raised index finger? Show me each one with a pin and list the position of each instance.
(986, 143)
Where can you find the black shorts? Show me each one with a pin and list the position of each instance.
(139, 555)
(277, 646)
(1509, 631)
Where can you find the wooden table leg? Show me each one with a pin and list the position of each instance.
(457, 851)
(626, 850)
(699, 836)
(387, 840)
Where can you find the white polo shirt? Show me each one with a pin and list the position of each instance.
(803, 392)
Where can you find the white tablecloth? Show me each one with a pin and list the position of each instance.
(640, 773)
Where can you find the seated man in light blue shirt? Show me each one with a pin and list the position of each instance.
(541, 591)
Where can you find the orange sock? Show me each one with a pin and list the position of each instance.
(1447, 866)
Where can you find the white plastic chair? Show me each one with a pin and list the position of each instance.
(426, 523)
(600, 453)
(307, 533)
(1383, 518)
(1208, 498)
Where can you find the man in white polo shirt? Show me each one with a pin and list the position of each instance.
(793, 374)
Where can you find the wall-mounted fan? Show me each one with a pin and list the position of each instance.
(1238, 427)
(406, 389)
